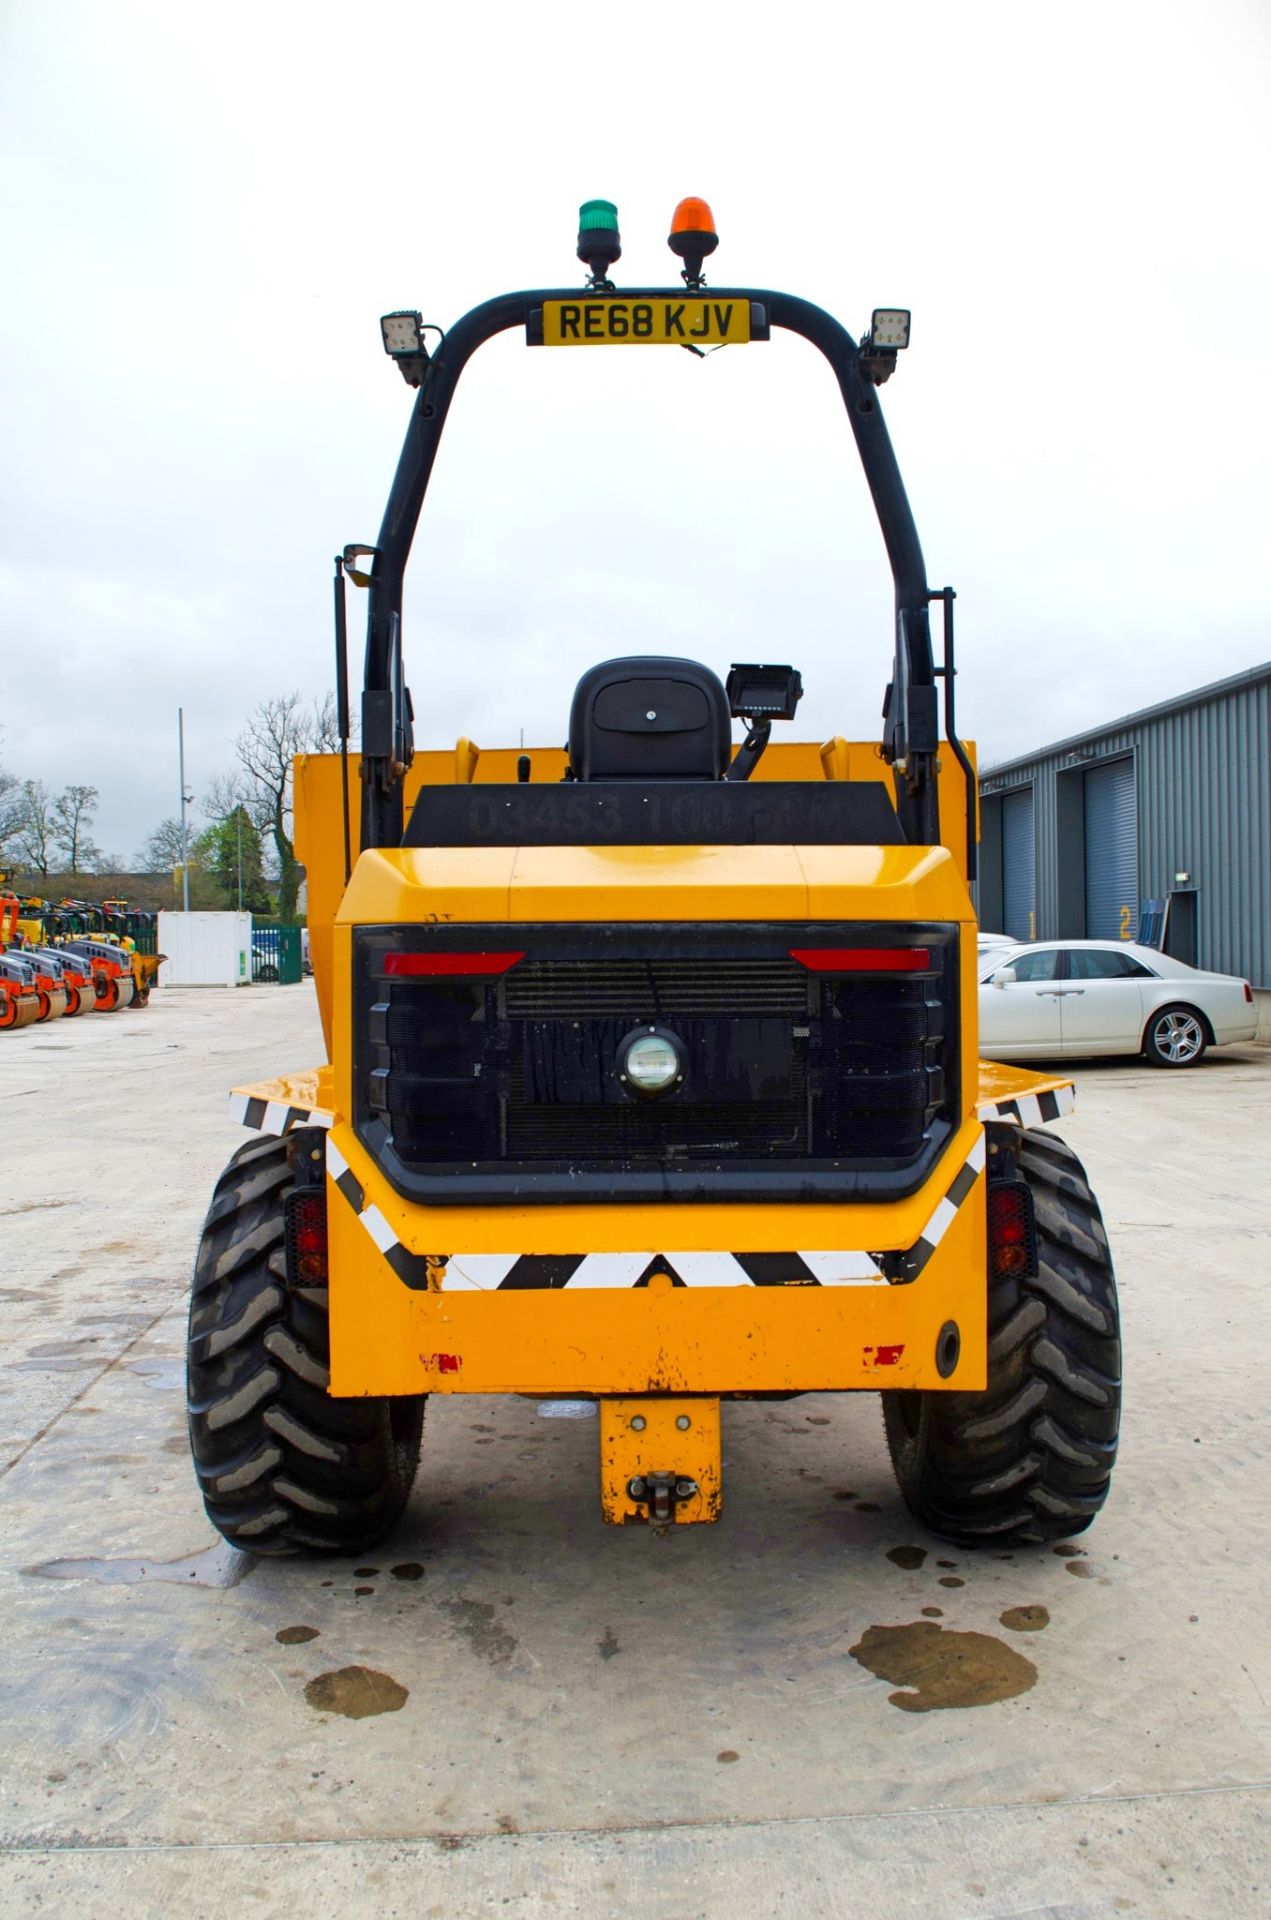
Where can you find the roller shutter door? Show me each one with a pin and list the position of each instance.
(1112, 866)
(1018, 871)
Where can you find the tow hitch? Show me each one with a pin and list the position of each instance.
(661, 1493)
(659, 1461)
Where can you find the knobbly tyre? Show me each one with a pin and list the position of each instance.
(652, 1065)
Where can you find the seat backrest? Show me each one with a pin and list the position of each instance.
(649, 718)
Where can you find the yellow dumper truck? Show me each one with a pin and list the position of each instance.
(652, 1070)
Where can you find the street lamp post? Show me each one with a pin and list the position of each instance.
(185, 798)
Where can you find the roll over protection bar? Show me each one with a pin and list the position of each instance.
(911, 729)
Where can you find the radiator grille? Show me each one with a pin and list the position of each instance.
(639, 989)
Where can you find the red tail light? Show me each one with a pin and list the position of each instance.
(862, 959)
(416, 964)
(1248, 993)
(306, 1238)
(1012, 1230)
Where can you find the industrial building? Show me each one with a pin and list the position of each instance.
(1156, 826)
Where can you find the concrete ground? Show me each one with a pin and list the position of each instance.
(560, 1719)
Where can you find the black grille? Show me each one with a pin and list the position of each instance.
(834, 1077)
(654, 988)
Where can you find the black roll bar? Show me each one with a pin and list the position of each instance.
(911, 733)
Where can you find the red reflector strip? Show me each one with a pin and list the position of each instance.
(306, 1238)
(862, 959)
(1012, 1224)
(439, 963)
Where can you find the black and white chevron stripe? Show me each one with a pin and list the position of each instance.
(274, 1116)
(499, 1272)
(1030, 1109)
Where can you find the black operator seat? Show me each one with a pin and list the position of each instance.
(649, 718)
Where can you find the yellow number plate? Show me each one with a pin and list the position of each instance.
(662, 321)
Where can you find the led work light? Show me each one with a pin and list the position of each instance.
(888, 333)
(402, 333)
(889, 328)
(403, 336)
(649, 1061)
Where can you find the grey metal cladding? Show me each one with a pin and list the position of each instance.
(1203, 787)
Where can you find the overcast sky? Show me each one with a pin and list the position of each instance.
(205, 211)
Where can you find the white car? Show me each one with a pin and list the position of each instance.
(1057, 997)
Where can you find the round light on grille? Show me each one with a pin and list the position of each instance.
(650, 1061)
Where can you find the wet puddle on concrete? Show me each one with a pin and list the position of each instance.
(943, 1668)
(221, 1566)
(475, 1620)
(1025, 1619)
(356, 1692)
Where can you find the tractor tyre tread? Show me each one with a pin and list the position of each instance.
(282, 1466)
(1029, 1459)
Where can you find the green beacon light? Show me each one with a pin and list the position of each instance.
(599, 242)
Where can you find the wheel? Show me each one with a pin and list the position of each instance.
(141, 997)
(1175, 1037)
(1030, 1458)
(283, 1467)
(267, 971)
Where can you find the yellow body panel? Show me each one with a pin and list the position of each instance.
(390, 1338)
(307, 1095)
(1003, 1087)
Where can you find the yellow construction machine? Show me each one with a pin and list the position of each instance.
(652, 1071)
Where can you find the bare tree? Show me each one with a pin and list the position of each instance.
(71, 818)
(278, 730)
(225, 794)
(12, 810)
(33, 840)
(325, 731)
(163, 850)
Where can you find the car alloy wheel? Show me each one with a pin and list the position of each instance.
(1179, 1037)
